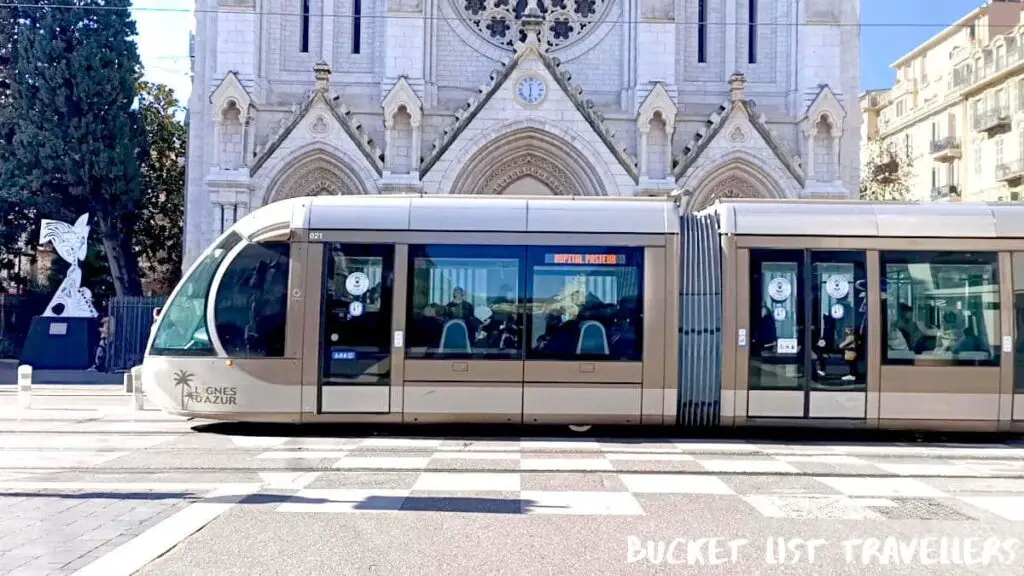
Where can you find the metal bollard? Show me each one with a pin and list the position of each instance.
(138, 398)
(25, 386)
(128, 383)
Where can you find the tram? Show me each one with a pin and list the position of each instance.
(601, 311)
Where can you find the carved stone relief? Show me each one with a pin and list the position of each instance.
(319, 126)
(732, 186)
(318, 179)
(544, 170)
(737, 136)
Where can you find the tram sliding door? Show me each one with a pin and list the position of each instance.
(1018, 332)
(808, 331)
(355, 332)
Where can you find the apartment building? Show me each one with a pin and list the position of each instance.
(957, 108)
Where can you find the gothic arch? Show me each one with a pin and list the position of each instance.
(529, 153)
(735, 179)
(316, 173)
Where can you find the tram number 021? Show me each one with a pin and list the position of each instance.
(316, 235)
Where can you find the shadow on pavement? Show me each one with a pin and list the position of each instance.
(370, 502)
(611, 434)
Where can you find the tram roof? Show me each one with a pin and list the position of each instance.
(855, 218)
(474, 214)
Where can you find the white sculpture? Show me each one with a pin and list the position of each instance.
(71, 242)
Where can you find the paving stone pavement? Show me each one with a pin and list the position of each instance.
(58, 533)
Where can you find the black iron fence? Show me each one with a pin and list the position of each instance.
(131, 318)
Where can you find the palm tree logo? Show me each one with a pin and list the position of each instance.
(183, 380)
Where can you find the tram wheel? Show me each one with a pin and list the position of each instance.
(580, 428)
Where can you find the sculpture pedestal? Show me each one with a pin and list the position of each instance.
(55, 343)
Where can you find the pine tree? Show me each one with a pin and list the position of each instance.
(8, 15)
(15, 217)
(78, 143)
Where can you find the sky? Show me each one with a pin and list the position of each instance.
(164, 27)
(890, 28)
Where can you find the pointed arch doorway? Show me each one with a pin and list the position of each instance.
(529, 162)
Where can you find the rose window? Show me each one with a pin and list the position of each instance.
(565, 21)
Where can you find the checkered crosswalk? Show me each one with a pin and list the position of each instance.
(543, 477)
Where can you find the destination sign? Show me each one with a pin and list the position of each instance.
(343, 355)
(599, 259)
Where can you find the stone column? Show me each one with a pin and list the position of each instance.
(809, 138)
(670, 130)
(217, 136)
(645, 131)
(415, 152)
(389, 144)
(835, 157)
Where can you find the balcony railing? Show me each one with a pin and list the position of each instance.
(992, 119)
(945, 149)
(947, 193)
(878, 100)
(1010, 171)
(963, 78)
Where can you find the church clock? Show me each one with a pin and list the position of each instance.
(530, 90)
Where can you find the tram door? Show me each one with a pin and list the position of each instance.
(808, 334)
(355, 330)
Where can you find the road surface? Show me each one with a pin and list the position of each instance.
(88, 486)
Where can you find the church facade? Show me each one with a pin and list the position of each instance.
(703, 98)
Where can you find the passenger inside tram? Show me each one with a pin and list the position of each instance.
(585, 326)
(460, 309)
(959, 334)
(915, 335)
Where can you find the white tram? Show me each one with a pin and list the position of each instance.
(583, 311)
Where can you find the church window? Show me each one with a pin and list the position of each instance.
(305, 27)
(752, 31)
(565, 21)
(702, 31)
(824, 152)
(658, 151)
(357, 24)
(231, 137)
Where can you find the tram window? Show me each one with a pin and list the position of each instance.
(941, 308)
(586, 303)
(252, 300)
(465, 302)
(182, 326)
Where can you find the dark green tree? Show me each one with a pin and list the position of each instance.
(158, 229)
(15, 218)
(8, 16)
(78, 142)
